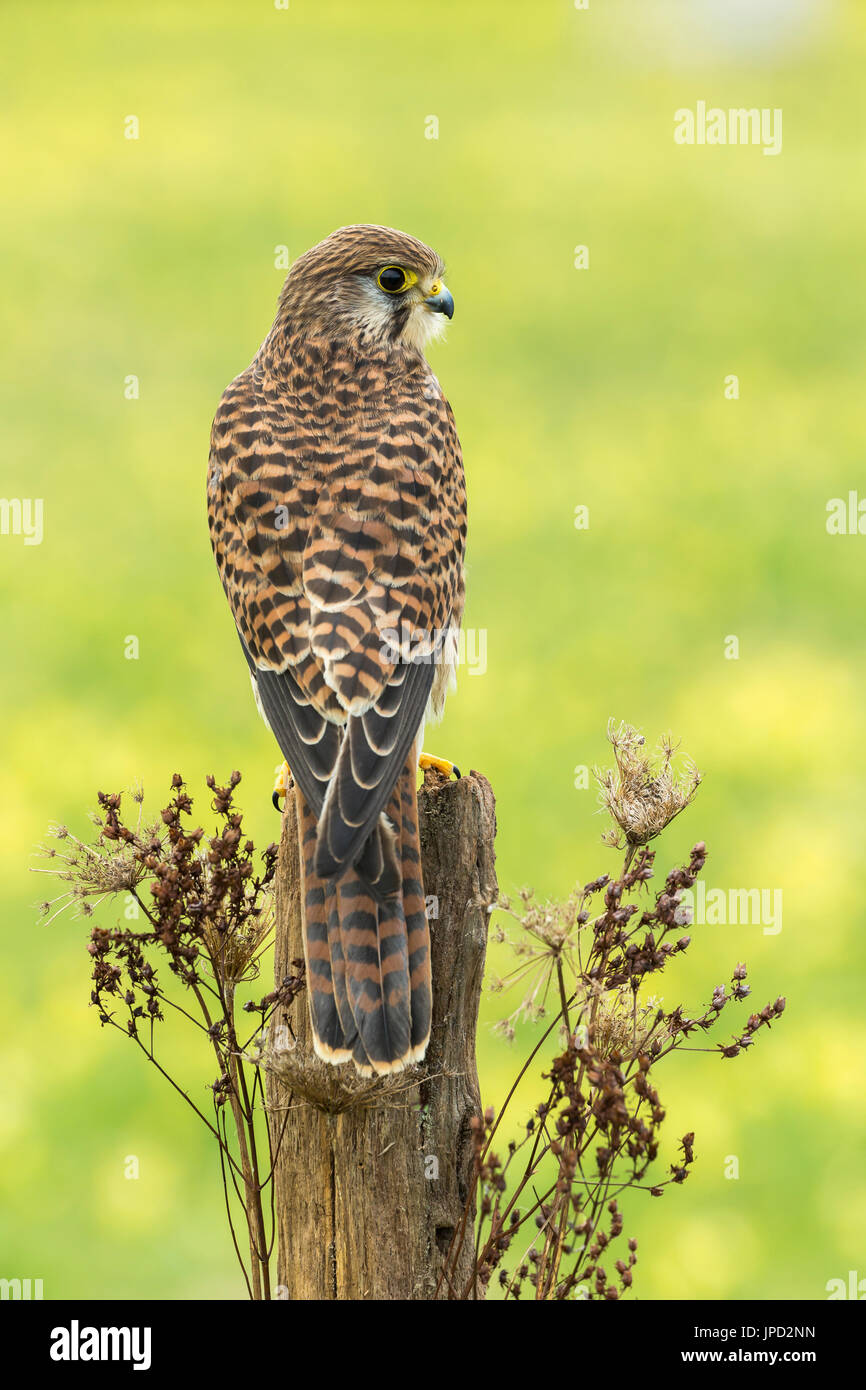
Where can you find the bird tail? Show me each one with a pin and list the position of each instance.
(367, 950)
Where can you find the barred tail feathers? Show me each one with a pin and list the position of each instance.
(368, 954)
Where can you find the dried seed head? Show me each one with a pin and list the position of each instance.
(643, 794)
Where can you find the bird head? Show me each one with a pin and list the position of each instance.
(371, 286)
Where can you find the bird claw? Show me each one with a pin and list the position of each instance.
(282, 782)
(427, 762)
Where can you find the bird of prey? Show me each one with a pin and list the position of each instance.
(337, 513)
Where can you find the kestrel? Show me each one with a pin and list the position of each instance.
(337, 512)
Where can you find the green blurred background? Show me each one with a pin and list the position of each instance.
(603, 387)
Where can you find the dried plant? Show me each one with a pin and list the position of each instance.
(548, 1214)
(641, 795)
(208, 915)
(545, 1220)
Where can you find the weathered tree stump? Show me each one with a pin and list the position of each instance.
(372, 1176)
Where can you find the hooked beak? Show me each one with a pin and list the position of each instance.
(441, 302)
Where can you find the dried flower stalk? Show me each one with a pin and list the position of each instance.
(208, 917)
(549, 1213)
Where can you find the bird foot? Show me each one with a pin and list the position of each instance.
(428, 763)
(282, 782)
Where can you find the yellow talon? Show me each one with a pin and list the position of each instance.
(282, 782)
(426, 761)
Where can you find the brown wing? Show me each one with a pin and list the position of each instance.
(339, 529)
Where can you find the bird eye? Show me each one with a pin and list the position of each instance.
(392, 279)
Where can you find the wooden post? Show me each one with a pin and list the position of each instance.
(372, 1177)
